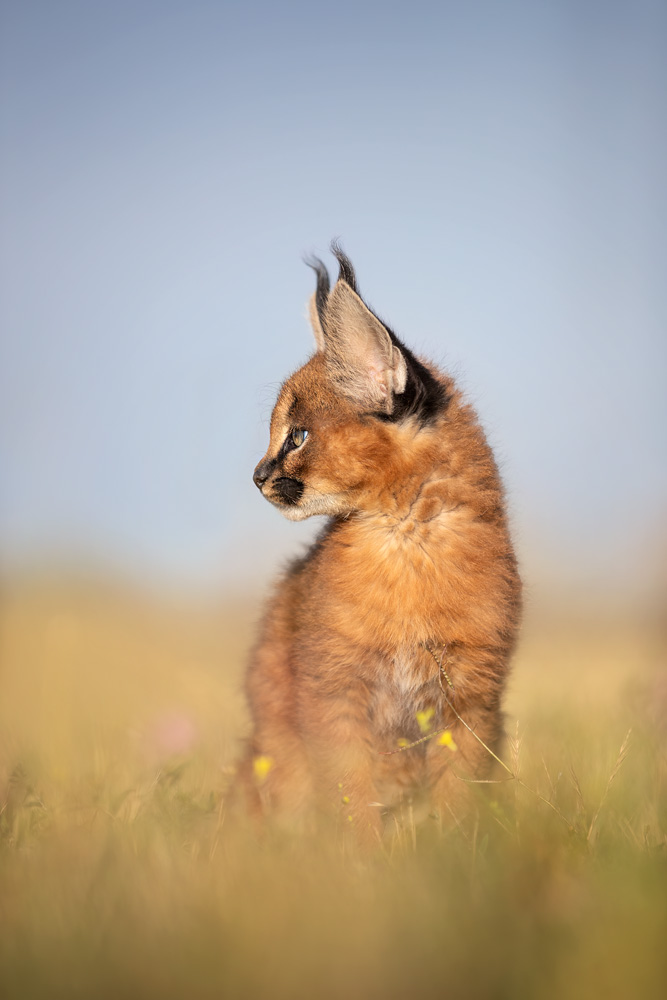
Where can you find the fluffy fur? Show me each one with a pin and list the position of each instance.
(414, 566)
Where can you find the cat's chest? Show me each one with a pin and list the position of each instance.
(403, 690)
(386, 581)
(405, 673)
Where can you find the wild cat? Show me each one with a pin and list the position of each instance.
(400, 621)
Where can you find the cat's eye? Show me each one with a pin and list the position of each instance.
(298, 436)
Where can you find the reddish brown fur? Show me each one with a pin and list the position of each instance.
(416, 553)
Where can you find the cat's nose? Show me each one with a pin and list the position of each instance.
(261, 474)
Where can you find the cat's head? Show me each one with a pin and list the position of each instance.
(335, 423)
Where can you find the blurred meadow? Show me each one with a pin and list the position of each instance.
(496, 173)
(120, 718)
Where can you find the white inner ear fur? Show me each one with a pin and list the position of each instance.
(364, 361)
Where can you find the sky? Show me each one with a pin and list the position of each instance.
(495, 172)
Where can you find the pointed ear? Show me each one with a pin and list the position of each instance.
(318, 332)
(361, 357)
(318, 302)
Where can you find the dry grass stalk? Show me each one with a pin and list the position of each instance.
(622, 754)
(581, 805)
(515, 750)
(513, 775)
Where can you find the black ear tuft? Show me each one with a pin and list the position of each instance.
(323, 286)
(346, 271)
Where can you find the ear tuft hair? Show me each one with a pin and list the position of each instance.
(323, 286)
(346, 271)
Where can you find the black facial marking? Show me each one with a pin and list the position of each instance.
(289, 490)
(288, 445)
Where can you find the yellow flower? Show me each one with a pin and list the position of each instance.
(403, 742)
(345, 799)
(447, 740)
(424, 719)
(261, 766)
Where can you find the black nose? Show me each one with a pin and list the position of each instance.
(261, 474)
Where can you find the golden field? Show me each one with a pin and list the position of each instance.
(120, 718)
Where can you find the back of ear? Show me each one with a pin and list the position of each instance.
(318, 332)
(362, 360)
(318, 303)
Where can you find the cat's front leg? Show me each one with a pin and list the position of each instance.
(333, 716)
(459, 758)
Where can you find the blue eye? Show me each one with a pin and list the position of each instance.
(298, 436)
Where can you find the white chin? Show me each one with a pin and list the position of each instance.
(310, 507)
(293, 513)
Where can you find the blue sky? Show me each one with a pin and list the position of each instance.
(496, 173)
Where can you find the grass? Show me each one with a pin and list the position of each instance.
(119, 722)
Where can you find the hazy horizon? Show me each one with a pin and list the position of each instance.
(496, 175)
